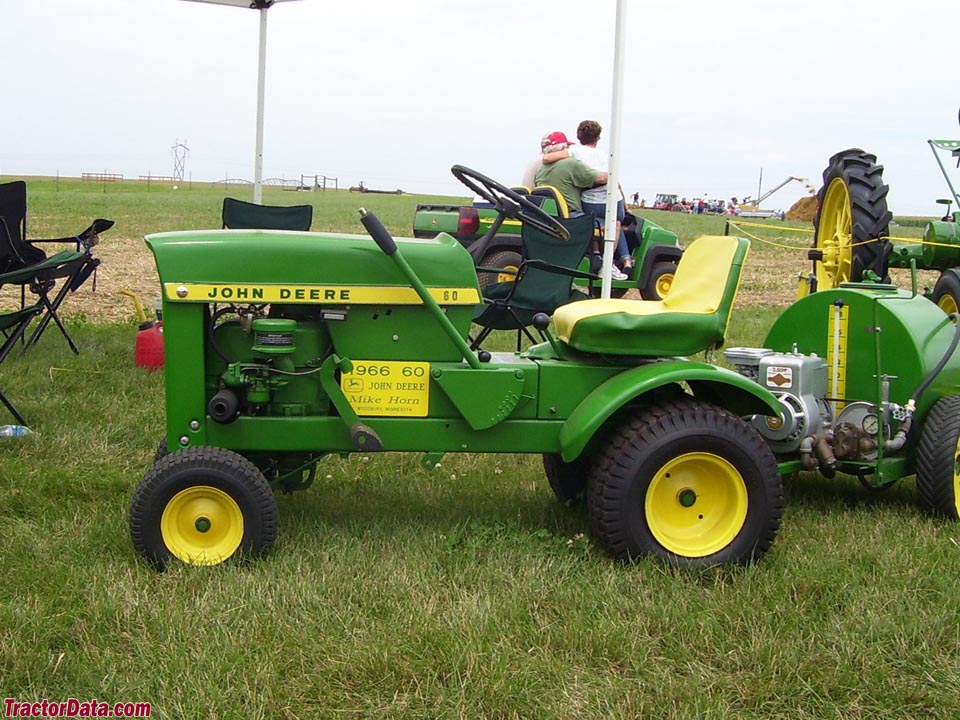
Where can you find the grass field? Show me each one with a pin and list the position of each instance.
(466, 592)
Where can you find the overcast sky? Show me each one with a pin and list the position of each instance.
(394, 92)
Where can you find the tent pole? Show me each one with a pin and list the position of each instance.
(613, 182)
(261, 80)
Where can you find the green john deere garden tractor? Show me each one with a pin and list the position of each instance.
(335, 344)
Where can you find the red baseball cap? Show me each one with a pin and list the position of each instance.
(554, 138)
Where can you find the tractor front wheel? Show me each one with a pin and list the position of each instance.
(687, 483)
(938, 459)
(203, 506)
(852, 221)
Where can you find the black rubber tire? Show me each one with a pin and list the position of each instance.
(651, 291)
(195, 469)
(938, 459)
(502, 259)
(946, 293)
(698, 443)
(567, 480)
(162, 451)
(865, 218)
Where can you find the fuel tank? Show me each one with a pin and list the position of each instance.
(870, 333)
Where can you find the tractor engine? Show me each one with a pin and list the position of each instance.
(823, 431)
(799, 382)
(265, 365)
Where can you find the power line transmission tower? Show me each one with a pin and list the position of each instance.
(180, 151)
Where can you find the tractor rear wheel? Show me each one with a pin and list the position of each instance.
(567, 480)
(502, 260)
(203, 506)
(687, 483)
(938, 459)
(852, 221)
(946, 293)
(661, 278)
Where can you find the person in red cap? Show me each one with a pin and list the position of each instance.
(530, 174)
(568, 175)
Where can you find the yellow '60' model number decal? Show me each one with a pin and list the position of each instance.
(388, 388)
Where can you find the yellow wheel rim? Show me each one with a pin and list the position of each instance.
(508, 277)
(948, 303)
(202, 525)
(696, 504)
(663, 284)
(956, 480)
(835, 236)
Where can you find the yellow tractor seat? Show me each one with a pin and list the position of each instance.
(691, 318)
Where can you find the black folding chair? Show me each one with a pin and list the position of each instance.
(13, 325)
(72, 267)
(240, 215)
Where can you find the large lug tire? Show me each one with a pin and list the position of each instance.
(567, 480)
(202, 506)
(851, 215)
(659, 282)
(938, 459)
(503, 260)
(946, 293)
(687, 483)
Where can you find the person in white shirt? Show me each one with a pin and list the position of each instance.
(594, 200)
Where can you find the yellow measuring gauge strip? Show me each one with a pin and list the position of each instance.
(837, 329)
(315, 294)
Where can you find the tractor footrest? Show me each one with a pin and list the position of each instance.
(365, 437)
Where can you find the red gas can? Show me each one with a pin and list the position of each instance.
(148, 350)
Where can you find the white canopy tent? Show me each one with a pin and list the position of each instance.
(262, 6)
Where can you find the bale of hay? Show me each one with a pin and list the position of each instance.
(803, 209)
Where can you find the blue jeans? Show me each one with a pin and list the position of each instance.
(600, 212)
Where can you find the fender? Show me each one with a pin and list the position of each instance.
(716, 385)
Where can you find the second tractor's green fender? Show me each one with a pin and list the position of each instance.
(716, 385)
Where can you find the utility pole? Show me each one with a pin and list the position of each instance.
(180, 151)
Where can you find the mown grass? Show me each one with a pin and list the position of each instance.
(466, 592)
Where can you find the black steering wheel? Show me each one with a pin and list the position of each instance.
(519, 207)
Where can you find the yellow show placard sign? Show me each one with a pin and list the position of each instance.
(387, 388)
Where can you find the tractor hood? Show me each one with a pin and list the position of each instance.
(262, 266)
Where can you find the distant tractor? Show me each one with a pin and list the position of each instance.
(668, 201)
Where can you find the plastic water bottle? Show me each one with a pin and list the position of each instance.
(15, 431)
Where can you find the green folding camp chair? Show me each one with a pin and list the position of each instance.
(544, 280)
(240, 215)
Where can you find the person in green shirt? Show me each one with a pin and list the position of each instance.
(568, 175)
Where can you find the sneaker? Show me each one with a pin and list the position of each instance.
(617, 274)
